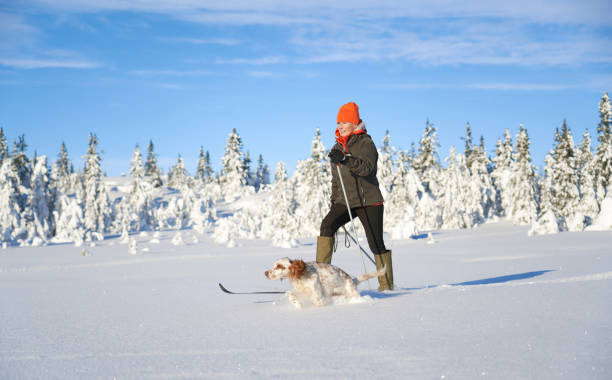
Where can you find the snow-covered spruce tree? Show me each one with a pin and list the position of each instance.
(41, 225)
(400, 215)
(21, 166)
(384, 172)
(247, 169)
(177, 176)
(61, 171)
(209, 173)
(280, 223)
(427, 163)
(547, 221)
(460, 207)
(313, 191)
(152, 171)
(501, 173)
(96, 203)
(141, 195)
(233, 177)
(481, 181)
(4, 150)
(565, 195)
(602, 164)
(262, 176)
(12, 227)
(201, 169)
(69, 220)
(588, 205)
(21, 162)
(469, 148)
(202, 210)
(522, 182)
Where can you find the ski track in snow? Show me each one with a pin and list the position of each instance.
(591, 277)
(148, 260)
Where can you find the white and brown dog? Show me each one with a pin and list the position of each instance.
(317, 281)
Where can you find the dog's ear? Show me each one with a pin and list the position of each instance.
(297, 268)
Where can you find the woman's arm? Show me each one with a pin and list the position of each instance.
(363, 161)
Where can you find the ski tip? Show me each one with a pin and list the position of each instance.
(223, 288)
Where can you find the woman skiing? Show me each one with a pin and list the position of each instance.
(356, 156)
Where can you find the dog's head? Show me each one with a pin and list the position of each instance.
(286, 268)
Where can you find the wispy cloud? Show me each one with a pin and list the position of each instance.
(265, 74)
(500, 86)
(492, 86)
(252, 61)
(43, 63)
(176, 73)
(429, 32)
(588, 12)
(204, 41)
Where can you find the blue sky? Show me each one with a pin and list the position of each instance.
(184, 73)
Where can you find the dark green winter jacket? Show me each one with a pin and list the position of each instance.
(358, 173)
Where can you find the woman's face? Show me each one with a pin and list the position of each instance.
(346, 128)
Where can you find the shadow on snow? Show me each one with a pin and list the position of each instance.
(484, 281)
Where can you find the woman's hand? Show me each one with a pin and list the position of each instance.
(336, 156)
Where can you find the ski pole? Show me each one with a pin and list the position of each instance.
(360, 247)
(348, 207)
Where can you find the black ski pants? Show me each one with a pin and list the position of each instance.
(371, 218)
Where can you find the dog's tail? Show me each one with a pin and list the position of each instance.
(367, 276)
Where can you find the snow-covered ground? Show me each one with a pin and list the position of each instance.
(486, 303)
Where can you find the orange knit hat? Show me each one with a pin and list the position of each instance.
(349, 113)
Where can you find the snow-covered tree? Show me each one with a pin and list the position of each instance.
(312, 185)
(21, 162)
(547, 221)
(201, 173)
(502, 171)
(427, 163)
(4, 150)
(280, 223)
(565, 194)
(469, 148)
(11, 224)
(141, 195)
(233, 177)
(60, 173)
(151, 169)
(400, 210)
(262, 176)
(177, 176)
(41, 204)
(96, 203)
(522, 182)
(588, 205)
(21, 166)
(384, 172)
(246, 161)
(602, 164)
(460, 207)
(481, 182)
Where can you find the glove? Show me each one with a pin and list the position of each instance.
(336, 156)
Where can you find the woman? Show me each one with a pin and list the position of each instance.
(356, 156)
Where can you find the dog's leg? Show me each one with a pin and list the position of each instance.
(351, 289)
(293, 299)
(317, 295)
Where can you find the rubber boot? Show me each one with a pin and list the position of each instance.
(385, 281)
(325, 247)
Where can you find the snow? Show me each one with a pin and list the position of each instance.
(604, 219)
(485, 303)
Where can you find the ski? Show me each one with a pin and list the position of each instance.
(224, 289)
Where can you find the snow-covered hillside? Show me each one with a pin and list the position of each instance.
(484, 303)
